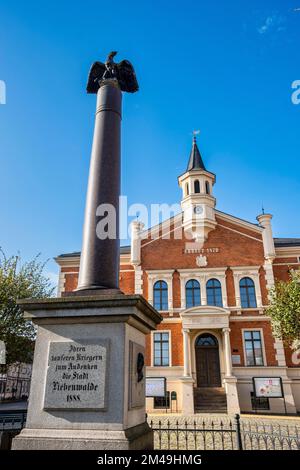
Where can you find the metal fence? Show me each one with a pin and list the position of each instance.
(12, 420)
(263, 436)
(233, 434)
(11, 423)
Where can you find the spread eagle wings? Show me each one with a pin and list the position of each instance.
(125, 75)
(96, 73)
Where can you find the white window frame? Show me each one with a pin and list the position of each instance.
(253, 273)
(162, 275)
(185, 283)
(202, 275)
(170, 348)
(223, 287)
(262, 346)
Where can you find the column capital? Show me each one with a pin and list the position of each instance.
(186, 330)
(226, 329)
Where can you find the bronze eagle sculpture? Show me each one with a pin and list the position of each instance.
(123, 72)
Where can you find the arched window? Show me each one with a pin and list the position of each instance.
(214, 293)
(187, 192)
(207, 188)
(160, 294)
(192, 293)
(247, 292)
(196, 186)
(206, 340)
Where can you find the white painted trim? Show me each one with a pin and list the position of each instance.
(240, 233)
(287, 263)
(219, 270)
(239, 272)
(61, 283)
(286, 251)
(160, 227)
(250, 318)
(172, 320)
(161, 275)
(178, 217)
(214, 332)
(237, 221)
(69, 262)
(138, 280)
(74, 261)
(262, 344)
(170, 348)
(203, 275)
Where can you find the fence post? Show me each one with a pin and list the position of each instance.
(237, 424)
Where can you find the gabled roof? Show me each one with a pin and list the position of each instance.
(195, 160)
(285, 242)
(124, 250)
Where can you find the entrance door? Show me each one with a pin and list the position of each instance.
(207, 361)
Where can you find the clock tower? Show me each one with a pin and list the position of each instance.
(198, 202)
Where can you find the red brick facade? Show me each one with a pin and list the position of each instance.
(237, 246)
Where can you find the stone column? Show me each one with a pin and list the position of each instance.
(227, 352)
(187, 382)
(230, 382)
(135, 251)
(267, 235)
(186, 353)
(99, 262)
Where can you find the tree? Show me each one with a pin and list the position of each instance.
(284, 310)
(19, 280)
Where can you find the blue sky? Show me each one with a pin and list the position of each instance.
(225, 68)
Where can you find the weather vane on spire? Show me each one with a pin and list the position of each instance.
(195, 132)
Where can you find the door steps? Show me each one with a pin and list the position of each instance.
(210, 400)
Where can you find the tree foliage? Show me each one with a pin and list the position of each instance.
(19, 280)
(284, 310)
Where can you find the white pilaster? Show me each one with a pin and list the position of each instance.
(138, 280)
(61, 283)
(136, 228)
(227, 352)
(186, 353)
(267, 235)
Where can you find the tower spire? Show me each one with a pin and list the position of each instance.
(198, 202)
(195, 160)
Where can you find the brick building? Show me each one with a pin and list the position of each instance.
(208, 273)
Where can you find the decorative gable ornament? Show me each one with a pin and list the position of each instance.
(201, 261)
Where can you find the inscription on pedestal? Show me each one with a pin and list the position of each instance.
(76, 376)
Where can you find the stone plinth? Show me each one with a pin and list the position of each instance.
(88, 380)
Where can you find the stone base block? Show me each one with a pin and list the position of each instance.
(187, 394)
(233, 406)
(136, 438)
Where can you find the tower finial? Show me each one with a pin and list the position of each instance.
(195, 160)
(195, 132)
(263, 209)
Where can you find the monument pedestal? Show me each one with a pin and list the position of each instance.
(88, 378)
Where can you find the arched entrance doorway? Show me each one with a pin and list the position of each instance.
(207, 361)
